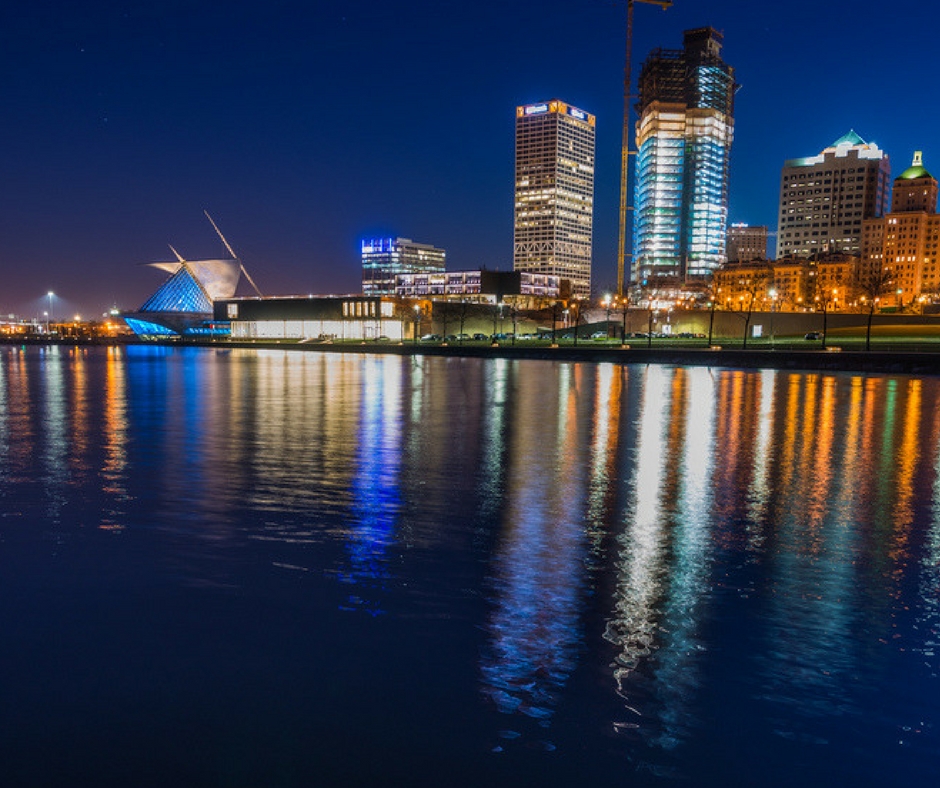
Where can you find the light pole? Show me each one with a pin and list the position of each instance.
(51, 319)
(47, 321)
(607, 324)
(417, 318)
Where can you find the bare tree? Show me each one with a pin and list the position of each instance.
(872, 288)
(751, 287)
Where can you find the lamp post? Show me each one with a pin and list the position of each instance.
(624, 303)
(51, 319)
(46, 314)
(417, 318)
(607, 306)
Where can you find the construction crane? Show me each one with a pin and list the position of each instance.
(625, 145)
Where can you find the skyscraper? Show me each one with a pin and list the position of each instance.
(684, 130)
(554, 205)
(824, 198)
(384, 258)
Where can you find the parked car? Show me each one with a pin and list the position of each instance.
(600, 335)
(480, 337)
(431, 338)
(813, 335)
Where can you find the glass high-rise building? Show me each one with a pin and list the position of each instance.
(554, 205)
(684, 131)
(384, 258)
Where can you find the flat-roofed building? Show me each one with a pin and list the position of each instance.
(483, 286)
(554, 192)
(313, 317)
(747, 242)
(385, 258)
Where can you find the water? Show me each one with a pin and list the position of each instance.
(275, 568)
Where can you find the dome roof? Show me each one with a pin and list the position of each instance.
(916, 170)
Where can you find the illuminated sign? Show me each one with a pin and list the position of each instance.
(576, 113)
(536, 109)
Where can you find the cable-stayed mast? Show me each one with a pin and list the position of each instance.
(231, 251)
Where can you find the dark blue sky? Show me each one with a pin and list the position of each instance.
(305, 127)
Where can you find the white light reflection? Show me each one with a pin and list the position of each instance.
(677, 677)
(759, 494)
(492, 450)
(55, 428)
(640, 563)
(607, 392)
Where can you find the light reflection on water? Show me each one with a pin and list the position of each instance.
(633, 554)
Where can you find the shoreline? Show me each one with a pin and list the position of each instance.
(787, 359)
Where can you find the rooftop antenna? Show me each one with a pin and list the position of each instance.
(625, 151)
(231, 251)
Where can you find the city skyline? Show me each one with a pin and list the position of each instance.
(304, 131)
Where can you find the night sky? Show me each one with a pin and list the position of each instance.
(304, 127)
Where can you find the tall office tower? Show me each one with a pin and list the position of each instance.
(824, 198)
(746, 242)
(384, 258)
(554, 207)
(683, 138)
(904, 243)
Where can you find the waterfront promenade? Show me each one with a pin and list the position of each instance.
(886, 356)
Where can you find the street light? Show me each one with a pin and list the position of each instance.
(50, 294)
(417, 318)
(607, 324)
(47, 321)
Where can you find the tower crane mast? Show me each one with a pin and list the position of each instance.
(625, 151)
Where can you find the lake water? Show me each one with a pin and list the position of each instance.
(276, 568)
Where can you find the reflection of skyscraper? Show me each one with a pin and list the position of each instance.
(554, 207)
(683, 137)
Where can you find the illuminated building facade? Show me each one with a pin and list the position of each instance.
(746, 242)
(183, 305)
(312, 317)
(483, 286)
(683, 137)
(905, 243)
(554, 198)
(385, 258)
(824, 199)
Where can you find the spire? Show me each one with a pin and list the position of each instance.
(849, 139)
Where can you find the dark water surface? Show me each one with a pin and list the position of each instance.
(266, 568)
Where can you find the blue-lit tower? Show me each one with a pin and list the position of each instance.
(684, 131)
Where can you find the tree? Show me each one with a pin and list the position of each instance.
(755, 284)
(872, 288)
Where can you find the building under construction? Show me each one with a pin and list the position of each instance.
(684, 131)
